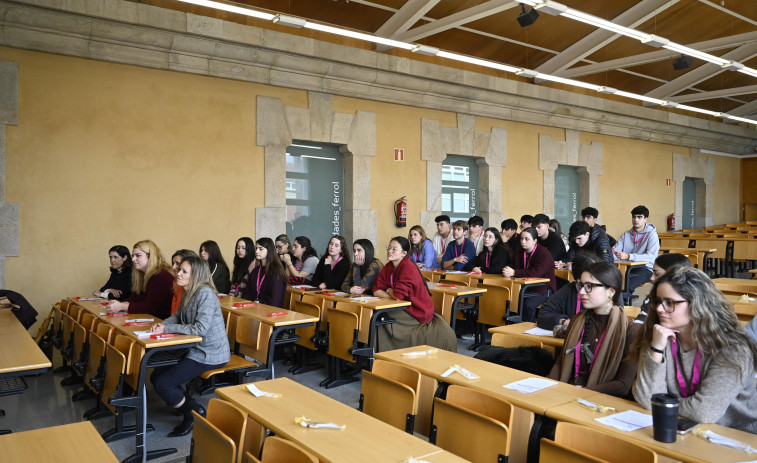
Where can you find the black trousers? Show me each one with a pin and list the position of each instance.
(169, 381)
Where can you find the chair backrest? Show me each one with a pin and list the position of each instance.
(75, 311)
(459, 279)
(210, 444)
(96, 353)
(306, 334)
(492, 305)
(486, 419)
(253, 337)
(602, 445)
(105, 331)
(278, 450)
(79, 338)
(115, 368)
(551, 452)
(254, 435)
(386, 394)
(87, 320)
(67, 328)
(230, 420)
(342, 326)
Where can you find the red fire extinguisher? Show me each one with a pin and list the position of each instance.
(671, 222)
(400, 212)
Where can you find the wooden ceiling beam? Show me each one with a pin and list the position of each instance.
(726, 92)
(703, 72)
(632, 17)
(659, 55)
(462, 17)
(405, 17)
(743, 111)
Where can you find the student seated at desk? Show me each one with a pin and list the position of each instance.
(244, 258)
(662, 264)
(422, 249)
(178, 291)
(118, 285)
(640, 243)
(443, 236)
(461, 250)
(364, 270)
(210, 252)
(526, 221)
(334, 265)
(199, 315)
(510, 234)
(300, 269)
(692, 346)
(417, 324)
(565, 303)
(494, 256)
(151, 283)
(266, 283)
(596, 349)
(584, 238)
(532, 261)
(283, 246)
(547, 238)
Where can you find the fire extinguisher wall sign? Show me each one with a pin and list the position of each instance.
(400, 212)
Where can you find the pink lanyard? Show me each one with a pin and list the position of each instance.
(259, 281)
(391, 280)
(416, 254)
(687, 388)
(488, 256)
(529, 256)
(461, 249)
(298, 265)
(338, 258)
(578, 304)
(578, 351)
(444, 243)
(635, 241)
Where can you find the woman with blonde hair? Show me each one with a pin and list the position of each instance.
(151, 283)
(693, 347)
(422, 251)
(199, 315)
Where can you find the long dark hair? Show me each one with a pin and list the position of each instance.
(609, 275)
(242, 265)
(122, 251)
(273, 267)
(214, 255)
(304, 242)
(369, 252)
(343, 251)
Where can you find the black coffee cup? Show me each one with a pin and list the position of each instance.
(665, 417)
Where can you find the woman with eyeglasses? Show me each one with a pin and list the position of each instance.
(244, 260)
(532, 261)
(417, 324)
(599, 338)
(365, 268)
(151, 283)
(211, 253)
(301, 264)
(118, 285)
(495, 255)
(334, 265)
(283, 246)
(267, 281)
(692, 346)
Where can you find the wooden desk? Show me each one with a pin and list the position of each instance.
(363, 438)
(565, 274)
(530, 408)
(517, 330)
(697, 256)
(754, 273)
(687, 448)
(450, 298)
(434, 274)
(150, 348)
(517, 286)
(745, 310)
(19, 354)
(270, 327)
(624, 266)
(74, 443)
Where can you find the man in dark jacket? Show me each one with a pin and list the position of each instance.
(590, 215)
(584, 238)
(548, 238)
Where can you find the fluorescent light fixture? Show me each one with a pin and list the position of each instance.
(603, 24)
(306, 146)
(670, 104)
(740, 119)
(607, 90)
(700, 110)
(358, 35)
(563, 80)
(527, 73)
(655, 41)
(696, 53)
(733, 66)
(231, 8)
(480, 62)
(636, 96)
(425, 50)
(291, 21)
(316, 157)
(551, 8)
(749, 71)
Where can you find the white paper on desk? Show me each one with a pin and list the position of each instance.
(340, 294)
(90, 299)
(141, 334)
(539, 332)
(724, 441)
(529, 385)
(303, 287)
(421, 353)
(258, 393)
(364, 299)
(461, 370)
(455, 272)
(629, 420)
(141, 320)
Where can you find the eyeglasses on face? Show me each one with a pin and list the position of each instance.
(588, 287)
(669, 305)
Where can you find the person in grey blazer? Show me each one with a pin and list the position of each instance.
(199, 315)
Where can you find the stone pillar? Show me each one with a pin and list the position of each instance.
(9, 236)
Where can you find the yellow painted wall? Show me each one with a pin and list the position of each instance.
(110, 154)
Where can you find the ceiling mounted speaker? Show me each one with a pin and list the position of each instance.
(682, 63)
(527, 18)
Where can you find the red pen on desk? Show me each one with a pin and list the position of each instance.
(164, 336)
(105, 303)
(440, 285)
(276, 314)
(117, 314)
(77, 298)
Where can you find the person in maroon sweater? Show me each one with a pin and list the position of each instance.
(417, 324)
(151, 283)
(532, 261)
